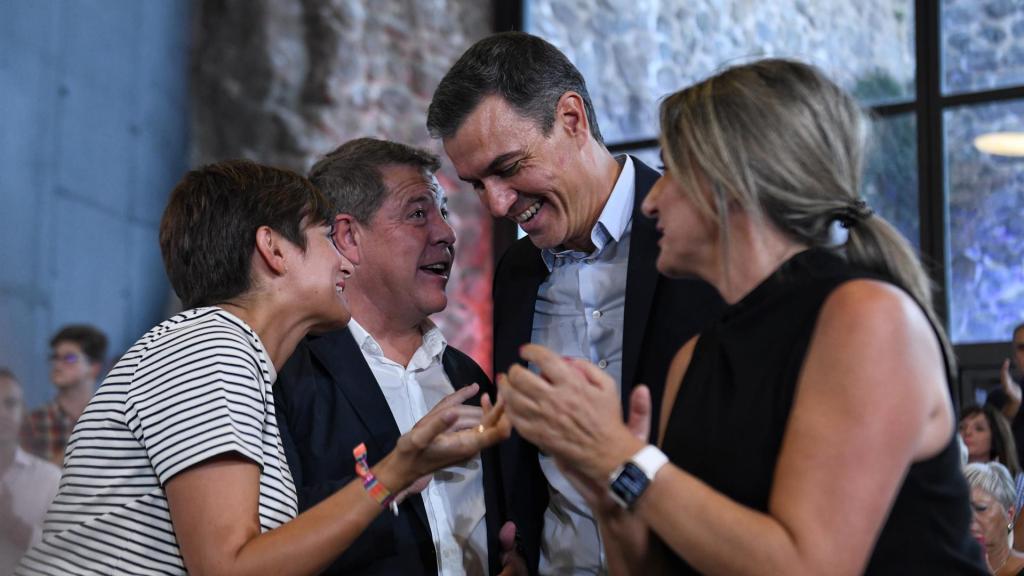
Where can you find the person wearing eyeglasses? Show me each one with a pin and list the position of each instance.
(77, 353)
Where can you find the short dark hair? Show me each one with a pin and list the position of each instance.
(208, 230)
(6, 372)
(350, 176)
(526, 71)
(90, 339)
(1017, 329)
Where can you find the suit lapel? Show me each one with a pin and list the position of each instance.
(338, 352)
(641, 280)
(526, 278)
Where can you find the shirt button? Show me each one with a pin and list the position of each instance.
(602, 364)
(597, 314)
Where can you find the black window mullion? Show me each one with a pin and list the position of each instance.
(930, 164)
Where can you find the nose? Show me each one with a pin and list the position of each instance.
(649, 207)
(498, 198)
(346, 267)
(443, 233)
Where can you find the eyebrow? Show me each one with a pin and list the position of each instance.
(496, 164)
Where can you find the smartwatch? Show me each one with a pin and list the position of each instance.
(629, 481)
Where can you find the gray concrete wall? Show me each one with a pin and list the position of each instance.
(93, 135)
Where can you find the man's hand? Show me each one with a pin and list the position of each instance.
(1012, 390)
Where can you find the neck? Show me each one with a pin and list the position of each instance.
(398, 336)
(73, 399)
(756, 250)
(998, 553)
(271, 324)
(601, 171)
(7, 450)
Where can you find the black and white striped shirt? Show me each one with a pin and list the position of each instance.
(194, 387)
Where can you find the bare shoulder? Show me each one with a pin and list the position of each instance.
(874, 347)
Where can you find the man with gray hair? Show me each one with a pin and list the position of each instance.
(518, 124)
(372, 381)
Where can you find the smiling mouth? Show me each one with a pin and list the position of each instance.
(528, 214)
(442, 269)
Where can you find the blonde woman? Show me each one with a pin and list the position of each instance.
(810, 429)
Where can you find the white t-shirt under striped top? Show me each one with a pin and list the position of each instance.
(194, 387)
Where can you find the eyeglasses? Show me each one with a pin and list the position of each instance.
(65, 358)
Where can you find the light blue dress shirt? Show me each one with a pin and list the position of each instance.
(579, 312)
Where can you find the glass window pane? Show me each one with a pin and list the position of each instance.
(986, 229)
(982, 44)
(890, 174)
(633, 52)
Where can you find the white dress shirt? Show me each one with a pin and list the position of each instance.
(31, 483)
(579, 312)
(454, 499)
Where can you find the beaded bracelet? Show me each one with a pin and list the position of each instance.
(378, 491)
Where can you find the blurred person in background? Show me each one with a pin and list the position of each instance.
(77, 353)
(993, 509)
(988, 437)
(27, 483)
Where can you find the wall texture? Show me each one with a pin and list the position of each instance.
(285, 81)
(93, 102)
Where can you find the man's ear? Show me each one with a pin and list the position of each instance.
(571, 116)
(347, 236)
(269, 249)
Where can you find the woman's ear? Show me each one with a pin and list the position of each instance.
(269, 249)
(347, 236)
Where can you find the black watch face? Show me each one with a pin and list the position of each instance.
(629, 484)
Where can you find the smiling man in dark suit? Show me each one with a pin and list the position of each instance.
(372, 381)
(517, 121)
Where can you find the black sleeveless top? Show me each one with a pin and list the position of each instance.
(727, 424)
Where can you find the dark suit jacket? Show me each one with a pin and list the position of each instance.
(661, 315)
(327, 402)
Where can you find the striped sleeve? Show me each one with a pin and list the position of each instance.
(197, 395)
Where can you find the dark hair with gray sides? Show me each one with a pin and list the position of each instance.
(778, 139)
(350, 176)
(527, 71)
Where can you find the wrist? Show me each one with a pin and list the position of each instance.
(628, 482)
(390, 472)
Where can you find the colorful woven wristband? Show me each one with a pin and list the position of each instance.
(373, 487)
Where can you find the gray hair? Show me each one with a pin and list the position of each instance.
(994, 478)
(350, 175)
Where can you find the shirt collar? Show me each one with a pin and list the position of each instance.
(614, 219)
(433, 346)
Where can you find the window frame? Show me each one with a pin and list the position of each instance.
(928, 105)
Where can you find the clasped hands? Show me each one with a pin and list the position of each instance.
(572, 411)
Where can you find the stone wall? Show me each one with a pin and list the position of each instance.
(284, 81)
(633, 52)
(982, 44)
